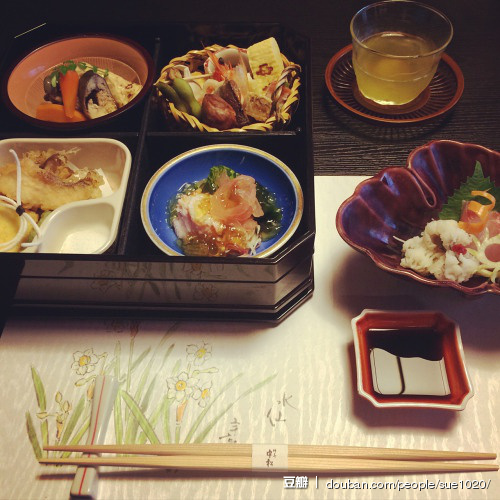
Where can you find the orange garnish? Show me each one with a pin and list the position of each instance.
(475, 215)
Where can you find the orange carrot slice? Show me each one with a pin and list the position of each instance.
(475, 215)
(68, 82)
(55, 113)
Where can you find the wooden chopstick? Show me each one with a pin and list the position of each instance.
(245, 450)
(295, 464)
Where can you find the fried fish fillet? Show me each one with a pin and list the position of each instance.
(49, 181)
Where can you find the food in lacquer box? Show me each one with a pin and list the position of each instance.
(222, 200)
(77, 91)
(41, 182)
(230, 88)
(226, 214)
(465, 241)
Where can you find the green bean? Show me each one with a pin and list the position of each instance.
(170, 93)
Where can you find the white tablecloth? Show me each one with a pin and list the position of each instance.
(293, 383)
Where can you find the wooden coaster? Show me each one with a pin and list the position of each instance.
(402, 109)
(443, 93)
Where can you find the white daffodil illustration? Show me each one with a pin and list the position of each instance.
(84, 362)
(202, 394)
(181, 387)
(198, 354)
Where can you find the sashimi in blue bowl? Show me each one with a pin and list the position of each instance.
(223, 200)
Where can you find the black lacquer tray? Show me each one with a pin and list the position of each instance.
(133, 278)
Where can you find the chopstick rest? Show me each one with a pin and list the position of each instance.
(85, 480)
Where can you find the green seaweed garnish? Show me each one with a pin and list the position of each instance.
(452, 209)
(270, 222)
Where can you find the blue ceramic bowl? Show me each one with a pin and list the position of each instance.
(194, 165)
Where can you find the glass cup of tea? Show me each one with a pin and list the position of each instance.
(396, 48)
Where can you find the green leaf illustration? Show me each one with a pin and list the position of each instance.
(140, 417)
(200, 438)
(39, 390)
(33, 437)
(42, 404)
(73, 420)
(117, 354)
(175, 369)
(166, 421)
(200, 417)
(78, 436)
(129, 367)
(139, 395)
(118, 419)
(128, 380)
(140, 359)
(153, 419)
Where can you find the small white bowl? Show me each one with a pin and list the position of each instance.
(88, 226)
(410, 359)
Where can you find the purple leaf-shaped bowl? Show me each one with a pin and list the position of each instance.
(397, 203)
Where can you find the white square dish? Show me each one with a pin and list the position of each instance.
(87, 226)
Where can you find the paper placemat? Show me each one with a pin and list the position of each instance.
(239, 382)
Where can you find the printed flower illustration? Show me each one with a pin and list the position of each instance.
(198, 354)
(181, 387)
(60, 416)
(84, 362)
(202, 394)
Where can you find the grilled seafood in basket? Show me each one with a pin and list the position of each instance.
(230, 88)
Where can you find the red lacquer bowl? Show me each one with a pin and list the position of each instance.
(22, 86)
(397, 203)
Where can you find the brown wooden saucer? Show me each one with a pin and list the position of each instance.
(441, 95)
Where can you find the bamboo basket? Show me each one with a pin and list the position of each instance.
(278, 119)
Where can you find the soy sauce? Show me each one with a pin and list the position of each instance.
(425, 343)
(408, 362)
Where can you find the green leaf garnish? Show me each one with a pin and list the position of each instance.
(63, 68)
(452, 209)
(212, 182)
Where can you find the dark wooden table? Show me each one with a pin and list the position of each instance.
(343, 143)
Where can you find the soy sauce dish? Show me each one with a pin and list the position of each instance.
(410, 359)
(181, 204)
